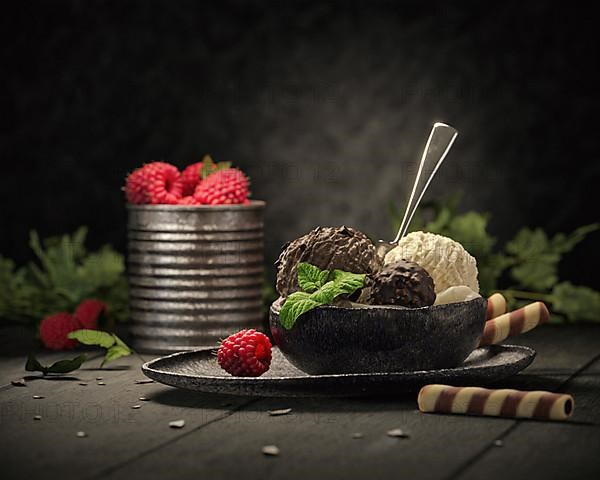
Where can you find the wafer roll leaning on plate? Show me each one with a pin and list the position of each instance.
(514, 323)
(496, 403)
(496, 306)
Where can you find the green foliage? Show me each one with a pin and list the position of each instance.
(64, 275)
(311, 278)
(62, 366)
(115, 347)
(530, 259)
(323, 288)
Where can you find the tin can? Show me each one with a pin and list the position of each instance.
(195, 273)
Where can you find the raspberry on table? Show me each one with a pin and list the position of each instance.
(224, 187)
(246, 353)
(55, 328)
(88, 313)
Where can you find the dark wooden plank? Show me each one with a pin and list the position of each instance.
(553, 450)
(316, 440)
(116, 432)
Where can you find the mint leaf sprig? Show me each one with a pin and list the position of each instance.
(115, 347)
(62, 366)
(319, 287)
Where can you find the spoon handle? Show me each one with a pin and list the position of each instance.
(438, 145)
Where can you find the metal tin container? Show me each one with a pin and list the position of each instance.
(195, 273)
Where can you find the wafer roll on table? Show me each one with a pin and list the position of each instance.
(514, 323)
(495, 403)
(496, 306)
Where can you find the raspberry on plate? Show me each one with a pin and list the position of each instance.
(228, 186)
(154, 183)
(55, 328)
(246, 353)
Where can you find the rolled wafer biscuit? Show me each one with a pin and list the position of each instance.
(514, 323)
(495, 403)
(496, 306)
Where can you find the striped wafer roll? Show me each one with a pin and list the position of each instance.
(495, 403)
(496, 306)
(514, 323)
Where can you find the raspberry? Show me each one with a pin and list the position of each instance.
(135, 187)
(223, 187)
(88, 313)
(245, 354)
(55, 328)
(189, 200)
(155, 183)
(195, 173)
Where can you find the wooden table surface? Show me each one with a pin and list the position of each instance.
(223, 435)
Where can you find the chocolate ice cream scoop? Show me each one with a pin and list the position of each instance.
(400, 283)
(328, 248)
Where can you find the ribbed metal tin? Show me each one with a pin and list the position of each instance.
(195, 273)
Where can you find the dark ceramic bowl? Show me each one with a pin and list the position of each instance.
(370, 339)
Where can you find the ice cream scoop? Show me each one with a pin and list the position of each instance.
(400, 283)
(457, 293)
(446, 260)
(329, 248)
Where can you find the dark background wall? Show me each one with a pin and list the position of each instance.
(325, 104)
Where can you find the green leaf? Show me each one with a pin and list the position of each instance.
(565, 243)
(66, 366)
(301, 302)
(295, 305)
(209, 166)
(120, 343)
(33, 365)
(347, 282)
(61, 366)
(93, 337)
(63, 275)
(311, 278)
(114, 352)
(577, 303)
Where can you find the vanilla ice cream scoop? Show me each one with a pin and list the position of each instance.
(446, 260)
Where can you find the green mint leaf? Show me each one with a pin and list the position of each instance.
(93, 337)
(66, 366)
(295, 305)
(115, 347)
(347, 282)
(61, 366)
(33, 365)
(122, 344)
(114, 352)
(208, 167)
(301, 302)
(311, 278)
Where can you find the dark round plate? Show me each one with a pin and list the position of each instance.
(198, 370)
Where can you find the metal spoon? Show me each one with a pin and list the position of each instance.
(438, 145)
